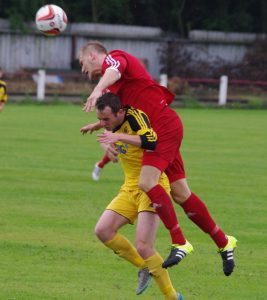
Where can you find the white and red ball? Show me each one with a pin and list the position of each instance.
(51, 20)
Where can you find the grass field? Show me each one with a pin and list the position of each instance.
(49, 206)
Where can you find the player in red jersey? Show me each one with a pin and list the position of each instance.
(124, 75)
(99, 167)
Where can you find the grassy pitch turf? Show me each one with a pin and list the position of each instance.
(49, 206)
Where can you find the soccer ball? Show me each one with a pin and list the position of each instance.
(51, 20)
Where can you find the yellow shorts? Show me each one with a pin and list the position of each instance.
(129, 202)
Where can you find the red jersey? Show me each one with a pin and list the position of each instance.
(135, 87)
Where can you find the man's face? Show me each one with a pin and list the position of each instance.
(89, 65)
(108, 119)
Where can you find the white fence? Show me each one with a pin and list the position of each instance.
(19, 51)
(34, 50)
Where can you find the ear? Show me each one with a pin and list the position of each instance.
(92, 56)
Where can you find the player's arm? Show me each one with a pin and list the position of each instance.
(113, 137)
(111, 75)
(139, 123)
(145, 137)
(91, 127)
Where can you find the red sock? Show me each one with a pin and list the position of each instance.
(197, 211)
(164, 207)
(103, 161)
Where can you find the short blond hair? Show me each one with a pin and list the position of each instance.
(95, 46)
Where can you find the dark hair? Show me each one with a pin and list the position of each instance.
(111, 100)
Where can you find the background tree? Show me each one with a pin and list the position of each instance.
(176, 16)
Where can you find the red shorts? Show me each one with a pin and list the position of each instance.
(167, 156)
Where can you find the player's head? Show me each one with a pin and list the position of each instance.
(109, 111)
(91, 58)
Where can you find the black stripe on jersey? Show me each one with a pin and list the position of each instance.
(140, 124)
(137, 119)
(149, 140)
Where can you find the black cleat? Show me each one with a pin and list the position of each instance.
(178, 252)
(227, 254)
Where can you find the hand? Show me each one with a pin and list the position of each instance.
(108, 137)
(91, 100)
(111, 152)
(90, 128)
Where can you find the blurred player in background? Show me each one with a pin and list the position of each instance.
(123, 75)
(104, 160)
(132, 134)
(3, 91)
(99, 167)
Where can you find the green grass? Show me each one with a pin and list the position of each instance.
(49, 206)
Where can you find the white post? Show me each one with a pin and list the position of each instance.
(223, 90)
(163, 80)
(41, 85)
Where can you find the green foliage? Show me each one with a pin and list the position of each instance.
(190, 101)
(257, 102)
(49, 206)
(178, 60)
(171, 15)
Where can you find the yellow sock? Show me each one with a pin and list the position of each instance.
(161, 276)
(123, 248)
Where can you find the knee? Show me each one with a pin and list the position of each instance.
(102, 233)
(146, 185)
(144, 249)
(180, 191)
(180, 196)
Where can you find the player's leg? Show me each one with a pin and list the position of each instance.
(170, 133)
(198, 212)
(107, 231)
(146, 230)
(164, 206)
(99, 166)
(161, 200)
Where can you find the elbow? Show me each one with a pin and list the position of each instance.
(152, 146)
(149, 145)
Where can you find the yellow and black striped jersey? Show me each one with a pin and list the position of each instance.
(136, 122)
(3, 92)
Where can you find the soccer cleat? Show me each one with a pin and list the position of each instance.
(178, 252)
(179, 296)
(96, 172)
(227, 254)
(144, 278)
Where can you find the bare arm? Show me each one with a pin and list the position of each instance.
(109, 137)
(110, 77)
(91, 127)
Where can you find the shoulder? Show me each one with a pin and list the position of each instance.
(137, 118)
(116, 54)
(115, 59)
(2, 83)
